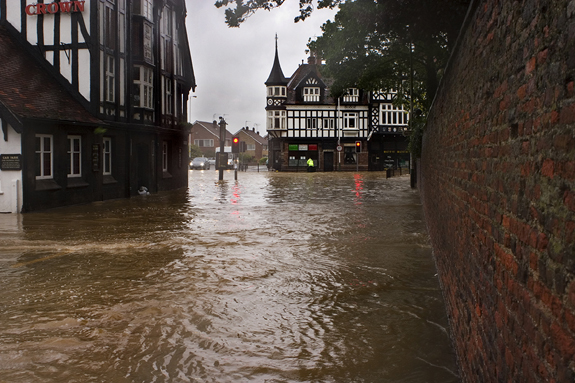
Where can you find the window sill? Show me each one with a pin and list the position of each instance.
(76, 183)
(48, 184)
(108, 180)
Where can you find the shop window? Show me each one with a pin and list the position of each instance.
(74, 156)
(44, 156)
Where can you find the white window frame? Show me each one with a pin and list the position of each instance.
(107, 152)
(148, 9)
(276, 119)
(75, 154)
(311, 94)
(311, 123)
(146, 85)
(352, 95)
(202, 143)
(350, 120)
(110, 78)
(328, 123)
(251, 147)
(169, 96)
(41, 153)
(390, 114)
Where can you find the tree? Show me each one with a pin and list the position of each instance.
(399, 45)
(244, 9)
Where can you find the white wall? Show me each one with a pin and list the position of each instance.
(10, 180)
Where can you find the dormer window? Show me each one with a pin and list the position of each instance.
(311, 94)
(352, 95)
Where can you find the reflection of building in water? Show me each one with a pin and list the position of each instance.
(92, 100)
(304, 120)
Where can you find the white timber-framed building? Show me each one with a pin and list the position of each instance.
(360, 130)
(93, 100)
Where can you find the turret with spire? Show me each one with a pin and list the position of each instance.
(276, 76)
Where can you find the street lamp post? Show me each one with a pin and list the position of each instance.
(222, 144)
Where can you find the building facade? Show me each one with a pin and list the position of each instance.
(253, 144)
(93, 100)
(206, 136)
(358, 131)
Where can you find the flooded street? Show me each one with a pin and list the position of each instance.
(299, 277)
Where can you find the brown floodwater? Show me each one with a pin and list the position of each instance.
(276, 277)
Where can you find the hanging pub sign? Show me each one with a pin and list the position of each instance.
(10, 162)
(61, 7)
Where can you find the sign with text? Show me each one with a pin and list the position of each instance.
(61, 7)
(10, 162)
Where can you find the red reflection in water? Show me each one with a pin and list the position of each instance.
(358, 179)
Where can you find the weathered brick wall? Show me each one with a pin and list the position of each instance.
(498, 186)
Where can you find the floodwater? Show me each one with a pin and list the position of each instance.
(276, 277)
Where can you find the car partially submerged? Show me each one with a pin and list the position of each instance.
(200, 163)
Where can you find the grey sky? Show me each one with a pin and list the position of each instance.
(232, 64)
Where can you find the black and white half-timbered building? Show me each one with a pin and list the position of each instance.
(93, 100)
(358, 131)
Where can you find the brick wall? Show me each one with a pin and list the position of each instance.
(498, 187)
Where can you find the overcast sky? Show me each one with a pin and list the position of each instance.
(232, 64)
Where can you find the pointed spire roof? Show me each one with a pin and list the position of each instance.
(276, 76)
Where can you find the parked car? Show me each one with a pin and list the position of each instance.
(212, 161)
(200, 163)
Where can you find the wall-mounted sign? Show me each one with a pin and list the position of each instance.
(96, 157)
(61, 7)
(302, 147)
(10, 162)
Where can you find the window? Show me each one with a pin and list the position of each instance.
(168, 95)
(204, 143)
(250, 146)
(147, 9)
(311, 94)
(276, 119)
(167, 21)
(392, 115)
(107, 156)
(164, 156)
(352, 95)
(143, 87)
(43, 156)
(148, 55)
(328, 123)
(350, 120)
(311, 123)
(277, 91)
(74, 156)
(109, 28)
(110, 79)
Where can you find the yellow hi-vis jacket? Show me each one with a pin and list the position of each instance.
(309, 162)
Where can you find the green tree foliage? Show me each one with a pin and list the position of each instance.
(195, 151)
(245, 8)
(399, 45)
